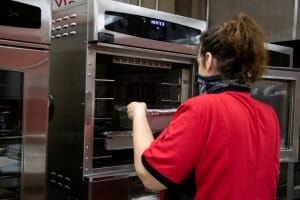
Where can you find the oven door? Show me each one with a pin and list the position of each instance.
(280, 88)
(23, 122)
(26, 21)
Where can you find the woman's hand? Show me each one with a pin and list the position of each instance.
(136, 109)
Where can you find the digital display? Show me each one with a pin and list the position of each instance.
(157, 22)
(278, 59)
(151, 28)
(20, 15)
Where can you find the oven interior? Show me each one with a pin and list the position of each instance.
(11, 107)
(121, 80)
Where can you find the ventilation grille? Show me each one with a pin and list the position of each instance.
(142, 62)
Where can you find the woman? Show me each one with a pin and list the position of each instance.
(224, 141)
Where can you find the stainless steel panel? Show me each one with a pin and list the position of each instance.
(127, 187)
(166, 5)
(35, 65)
(102, 188)
(149, 4)
(67, 85)
(24, 44)
(275, 16)
(34, 165)
(134, 2)
(296, 20)
(142, 53)
(41, 35)
(96, 24)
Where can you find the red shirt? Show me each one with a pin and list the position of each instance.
(229, 141)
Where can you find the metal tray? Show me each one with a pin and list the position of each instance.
(117, 140)
(158, 119)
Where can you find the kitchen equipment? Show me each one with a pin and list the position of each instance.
(106, 54)
(280, 88)
(24, 80)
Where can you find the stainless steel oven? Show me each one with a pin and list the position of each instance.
(24, 80)
(104, 55)
(280, 88)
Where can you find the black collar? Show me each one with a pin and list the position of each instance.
(231, 86)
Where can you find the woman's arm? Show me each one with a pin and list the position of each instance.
(142, 138)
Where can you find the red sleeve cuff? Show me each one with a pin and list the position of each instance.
(161, 178)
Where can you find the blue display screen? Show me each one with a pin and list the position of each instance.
(151, 28)
(157, 22)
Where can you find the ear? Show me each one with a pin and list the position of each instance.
(208, 61)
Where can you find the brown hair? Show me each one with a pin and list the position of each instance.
(238, 46)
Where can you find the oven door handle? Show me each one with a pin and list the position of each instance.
(51, 107)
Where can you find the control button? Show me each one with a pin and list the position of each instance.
(52, 181)
(66, 26)
(73, 24)
(52, 37)
(52, 173)
(67, 179)
(58, 19)
(53, 21)
(58, 28)
(73, 15)
(59, 176)
(65, 34)
(66, 17)
(58, 35)
(53, 29)
(73, 33)
(67, 187)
